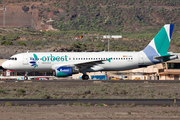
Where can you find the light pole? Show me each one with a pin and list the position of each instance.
(108, 41)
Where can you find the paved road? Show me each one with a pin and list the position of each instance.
(96, 81)
(91, 101)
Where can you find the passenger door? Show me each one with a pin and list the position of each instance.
(141, 59)
(25, 60)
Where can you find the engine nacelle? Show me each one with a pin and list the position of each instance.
(63, 71)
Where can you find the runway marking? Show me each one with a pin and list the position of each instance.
(27, 81)
(97, 82)
(145, 81)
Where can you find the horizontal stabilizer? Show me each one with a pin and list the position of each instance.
(171, 57)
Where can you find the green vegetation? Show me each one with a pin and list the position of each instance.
(6, 43)
(137, 21)
(20, 91)
(21, 43)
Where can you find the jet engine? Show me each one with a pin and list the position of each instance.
(63, 71)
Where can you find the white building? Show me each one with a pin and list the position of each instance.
(112, 36)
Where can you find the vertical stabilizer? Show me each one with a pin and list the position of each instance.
(160, 44)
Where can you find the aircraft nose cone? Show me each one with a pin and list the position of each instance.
(5, 65)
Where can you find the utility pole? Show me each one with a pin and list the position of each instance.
(108, 44)
(4, 22)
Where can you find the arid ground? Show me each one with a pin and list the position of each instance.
(64, 112)
(86, 90)
(89, 90)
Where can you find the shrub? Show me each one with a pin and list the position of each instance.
(20, 91)
(21, 43)
(8, 104)
(100, 104)
(6, 43)
(2, 91)
(37, 42)
(45, 96)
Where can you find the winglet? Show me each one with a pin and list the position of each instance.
(109, 60)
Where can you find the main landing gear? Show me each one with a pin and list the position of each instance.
(25, 77)
(85, 77)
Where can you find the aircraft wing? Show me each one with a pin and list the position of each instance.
(81, 65)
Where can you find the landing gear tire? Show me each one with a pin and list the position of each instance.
(85, 77)
(25, 78)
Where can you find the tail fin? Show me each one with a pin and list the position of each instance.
(160, 44)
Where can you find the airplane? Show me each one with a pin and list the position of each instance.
(67, 63)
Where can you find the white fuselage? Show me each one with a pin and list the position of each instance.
(47, 61)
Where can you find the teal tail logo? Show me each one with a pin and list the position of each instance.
(34, 60)
(160, 44)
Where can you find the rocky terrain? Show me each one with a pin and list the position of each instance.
(136, 20)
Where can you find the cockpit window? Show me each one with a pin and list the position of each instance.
(12, 58)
